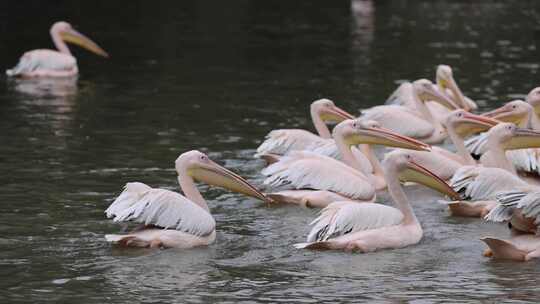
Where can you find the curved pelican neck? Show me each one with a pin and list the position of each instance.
(60, 45)
(319, 124)
(399, 197)
(346, 153)
(187, 184)
(534, 121)
(459, 143)
(497, 156)
(378, 173)
(424, 110)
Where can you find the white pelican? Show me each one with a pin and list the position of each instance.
(368, 227)
(170, 219)
(447, 84)
(513, 111)
(303, 169)
(497, 175)
(419, 123)
(50, 63)
(282, 141)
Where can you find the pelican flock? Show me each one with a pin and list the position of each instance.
(489, 168)
(490, 172)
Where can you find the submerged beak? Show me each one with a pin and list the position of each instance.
(336, 114)
(384, 137)
(523, 138)
(214, 174)
(77, 38)
(472, 123)
(505, 114)
(419, 174)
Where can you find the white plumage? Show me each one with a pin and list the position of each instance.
(163, 208)
(528, 202)
(32, 62)
(340, 218)
(284, 141)
(303, 169)
(481, 183)
(400, 119)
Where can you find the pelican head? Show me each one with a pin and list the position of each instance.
(516, 111)
(425, 91)
(328, 111)
(408, 169)
(465, 123)
(533, 98)
(361, 131)
(197, 165)
(511, 137)
(66, 32)
(445, 80)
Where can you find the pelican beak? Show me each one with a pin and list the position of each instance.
(471, 124)
(214, 174)
(384, 137)
(432, 94)
(522, 139)
(77, 38)
(419, 174)
(506, 114)
(449, 83)
(336, 114)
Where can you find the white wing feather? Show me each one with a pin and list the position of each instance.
(529, 203)
(340, 218)
(399, 119)
(285, 140)
(303, 169)
(477, 145)
(162, 208)
(481, 183)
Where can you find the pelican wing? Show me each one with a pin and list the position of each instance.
(37, 60)
(481, 183)
(402, 96)
(285, 140)
(507, 201)
(477, 145)
(400, 119)
(525, 160)
(303, 169)
(341, 218)
(170, 210)
(530, 206)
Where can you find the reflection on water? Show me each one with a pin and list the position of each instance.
(218, 77)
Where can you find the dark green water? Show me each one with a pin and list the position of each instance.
(217, 76)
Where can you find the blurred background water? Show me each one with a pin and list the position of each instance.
(217, 76)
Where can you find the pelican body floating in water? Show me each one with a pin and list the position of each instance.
(51, 63)
(369, 226)
(170, 219)
(282, 141)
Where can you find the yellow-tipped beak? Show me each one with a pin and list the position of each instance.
(471, 124)
(77, 38)
(214, 174)
(419, 174)
(384, 137)
(506, 114)
(434, 95)
(336, 114)
(522, 139)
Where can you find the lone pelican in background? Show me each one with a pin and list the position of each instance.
(170, 219)
(50, 63)
(368, 227)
